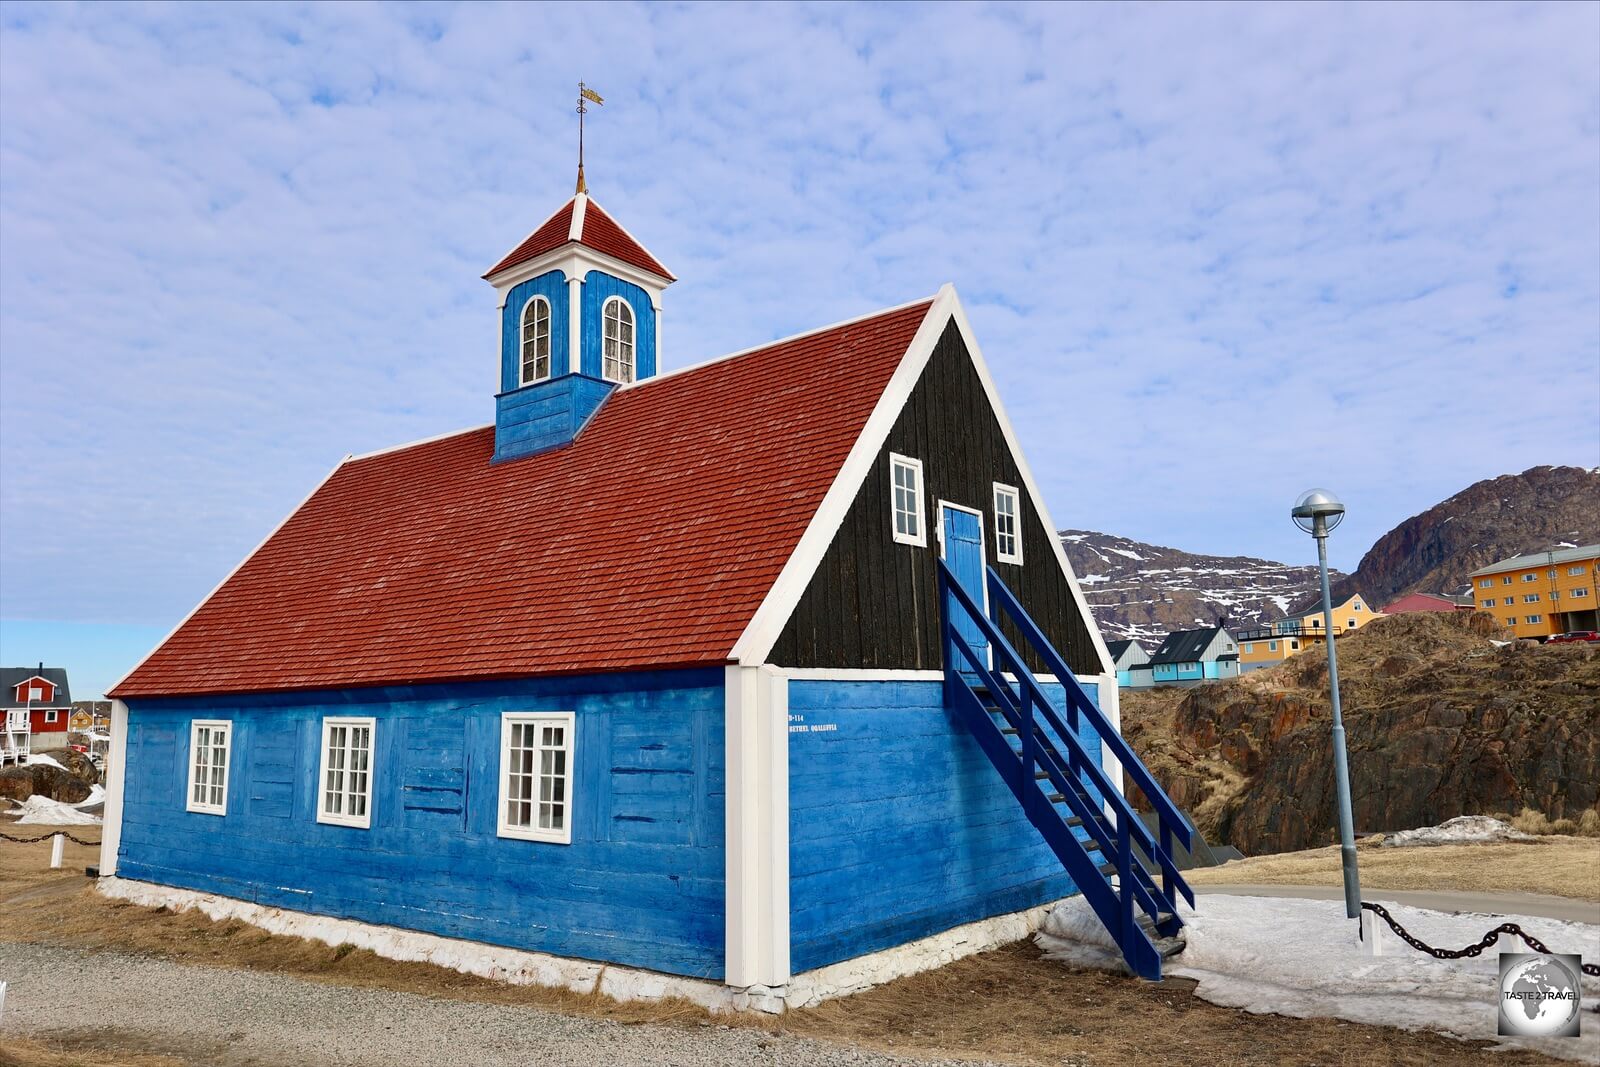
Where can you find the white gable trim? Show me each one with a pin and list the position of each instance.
(762, 632)
(580, 207)
(240, 565)
(629, 235)
(755, 644)
(1031, 487)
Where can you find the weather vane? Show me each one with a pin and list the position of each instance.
(584, 93)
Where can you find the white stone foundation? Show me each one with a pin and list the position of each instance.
(519, 967)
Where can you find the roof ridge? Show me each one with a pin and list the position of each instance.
(755, 349)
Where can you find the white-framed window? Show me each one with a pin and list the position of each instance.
(1489, 603)
(1530, 598)
(210, 744)
(35, 693)
(1575, 570)
(1530, 577)
(1506, 580)
(1534, 618)
(1555, 594)
(1579, 594)
(1272, 646)
(1485, 583)
(1294, 645)
(1249, 648)
(1007, 524)
(536, 752)
(535, 341)
(52, 715)
(344, 784)
(905, 484)
(617, 318)
(1356, 606)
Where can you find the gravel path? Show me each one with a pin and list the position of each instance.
(220, 1017)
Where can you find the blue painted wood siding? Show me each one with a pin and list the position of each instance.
(545, 415)
(641, 884)
(598, 287)
(899, 826)
(553, 287)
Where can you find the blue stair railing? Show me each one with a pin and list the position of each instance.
(1063, 789)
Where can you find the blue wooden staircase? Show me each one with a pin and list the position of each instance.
(1101, 842)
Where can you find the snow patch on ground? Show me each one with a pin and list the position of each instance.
(1302, 958)
(41, 810)
(1464, 830)
(45, 761)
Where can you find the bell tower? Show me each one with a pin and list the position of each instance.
(580, 309)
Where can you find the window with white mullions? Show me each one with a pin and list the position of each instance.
(346, 778)
(617, 317)
(535, 341)
(209, 743)
(536, 751)
(905, 486)
(1007, 525)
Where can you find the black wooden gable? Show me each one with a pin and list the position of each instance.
(873, 603)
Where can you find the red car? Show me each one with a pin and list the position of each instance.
(1574, 637)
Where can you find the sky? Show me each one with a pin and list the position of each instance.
(1214, 254)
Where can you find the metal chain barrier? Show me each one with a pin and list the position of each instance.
(46, 837)
(1471, 950)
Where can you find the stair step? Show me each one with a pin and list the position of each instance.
(1108, 869)
(1150, 924)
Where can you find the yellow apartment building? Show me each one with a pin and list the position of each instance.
(1266, 645)
(1544, 593)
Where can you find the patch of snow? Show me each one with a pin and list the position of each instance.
(97, 795)
(1270, 955)
(1463, 830)
(1091, 579)
(44, 761)
(1125, 552)
(41, 810)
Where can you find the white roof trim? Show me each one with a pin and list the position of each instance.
(629, 235)
(544, 222)
(414, 444)
(229, 576)
(755, 644)
(765, 626)
(764, 345)
(1031, 487)
(580, 207)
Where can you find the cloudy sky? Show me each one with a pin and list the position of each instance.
(1214, 254)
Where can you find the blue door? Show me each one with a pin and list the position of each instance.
(961, 544)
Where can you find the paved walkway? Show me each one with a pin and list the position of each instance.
(225, 1017)
(1548, 907)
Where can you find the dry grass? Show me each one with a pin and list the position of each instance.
(1010, 1005)
(1014, 1006)
(86, 1048)
(1561, 866)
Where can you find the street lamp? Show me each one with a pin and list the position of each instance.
(1317, 512)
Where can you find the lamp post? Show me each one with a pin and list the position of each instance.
(1317, 512)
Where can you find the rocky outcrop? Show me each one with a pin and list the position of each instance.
(1440, 721)
(1486, 522)
(69, 786)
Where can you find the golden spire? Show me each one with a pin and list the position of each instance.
(584, 93)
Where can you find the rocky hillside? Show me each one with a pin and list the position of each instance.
(1441, 720)
(1146, 591)
(1488, 521)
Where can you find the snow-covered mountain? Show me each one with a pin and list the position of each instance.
(1146, 591)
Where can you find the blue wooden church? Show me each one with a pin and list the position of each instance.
(757, 680)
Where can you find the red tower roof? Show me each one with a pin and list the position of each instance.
(582, 221)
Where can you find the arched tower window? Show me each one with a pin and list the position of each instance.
(618, 319)
(535, 341)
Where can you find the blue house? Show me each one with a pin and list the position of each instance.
(1189, 657)
(753, 681)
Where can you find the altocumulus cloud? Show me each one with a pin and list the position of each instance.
(1214, 254)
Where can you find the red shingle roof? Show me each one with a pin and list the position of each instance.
(649, 542)
(598, 231)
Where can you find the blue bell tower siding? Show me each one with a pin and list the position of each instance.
(549, 414)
